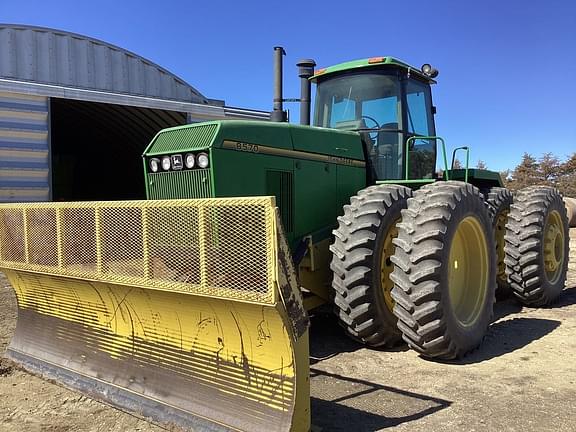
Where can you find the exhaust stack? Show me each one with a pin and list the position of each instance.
(305, 71)
(278, 113)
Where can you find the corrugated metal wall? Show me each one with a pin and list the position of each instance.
(24, 148)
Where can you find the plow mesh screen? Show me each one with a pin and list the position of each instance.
(217, 247)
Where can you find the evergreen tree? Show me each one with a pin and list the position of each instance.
(567, 180)
(549, 169)
(525, 174)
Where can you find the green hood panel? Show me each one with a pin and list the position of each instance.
(286, 136)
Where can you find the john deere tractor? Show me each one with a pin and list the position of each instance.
(191, 307)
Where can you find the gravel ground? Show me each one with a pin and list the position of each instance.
(523, 378)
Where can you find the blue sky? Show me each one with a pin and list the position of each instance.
(507, 79)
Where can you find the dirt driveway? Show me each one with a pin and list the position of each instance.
(523, 378)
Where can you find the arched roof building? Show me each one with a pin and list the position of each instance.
(69, 101)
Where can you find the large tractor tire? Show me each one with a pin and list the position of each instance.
(499, 200)
(361, 264)
(445, 270)
(537, 245)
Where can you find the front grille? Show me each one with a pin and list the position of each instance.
(195, 183)
(189, 138)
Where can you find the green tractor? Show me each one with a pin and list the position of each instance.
(190, 307)
(400, 249)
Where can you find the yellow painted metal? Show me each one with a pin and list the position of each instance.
(500, 243)
(386, 266)
(123, 314)
(229, 253)
(314, 271)
(26, 233)
(119, 296)
(468, 271)
(554, 246)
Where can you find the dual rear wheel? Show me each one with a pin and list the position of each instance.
(423, 266)
(537, 245)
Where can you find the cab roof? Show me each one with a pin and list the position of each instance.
(372, 62)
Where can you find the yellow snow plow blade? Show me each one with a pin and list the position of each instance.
(184, 311)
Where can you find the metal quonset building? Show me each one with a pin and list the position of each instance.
(76, 114)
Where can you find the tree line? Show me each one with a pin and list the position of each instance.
(548, 170)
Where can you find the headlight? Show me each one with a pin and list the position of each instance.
(203, 160)
(189, 160)
(154, 165)
(165, 163)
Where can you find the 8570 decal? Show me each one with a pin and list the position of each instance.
(246, 147)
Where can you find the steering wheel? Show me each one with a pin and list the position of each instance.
(377, 126)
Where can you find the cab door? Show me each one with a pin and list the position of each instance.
(419, 121)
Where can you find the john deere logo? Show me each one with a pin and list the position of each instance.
(177, 163)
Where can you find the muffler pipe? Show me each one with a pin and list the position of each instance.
(278, 114)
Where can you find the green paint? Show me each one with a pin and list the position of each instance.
(318, 188)
(466, 166)
(364, 64)
(478, 177)
(170, 140)
(311, 171)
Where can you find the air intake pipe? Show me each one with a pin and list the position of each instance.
(305, 71)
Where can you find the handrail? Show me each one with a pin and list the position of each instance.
(467, 149)
(414, 138)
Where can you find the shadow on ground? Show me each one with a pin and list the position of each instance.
(328, 339)
(507, 336)
(342, 403)
(567, 298)
(511, 305)
(506, 307)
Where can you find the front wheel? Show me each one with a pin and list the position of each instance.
(445, 270)
(361, 264)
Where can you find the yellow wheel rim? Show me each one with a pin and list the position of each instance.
(500, 232)
(468, 271)
(386, 266)
(553, 246)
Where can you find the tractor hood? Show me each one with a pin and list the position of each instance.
(225, 152)
(287, 136)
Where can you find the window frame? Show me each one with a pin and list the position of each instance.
(327, 111)
(429, 113)
(403, 78)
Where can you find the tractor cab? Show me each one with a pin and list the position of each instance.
(390, 104)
